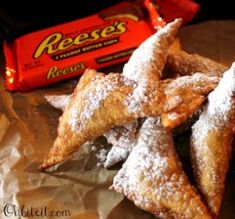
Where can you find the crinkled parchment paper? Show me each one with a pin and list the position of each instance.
(78, 188)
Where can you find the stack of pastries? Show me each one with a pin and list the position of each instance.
(137, 110)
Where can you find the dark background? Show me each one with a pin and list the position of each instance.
(19, 17)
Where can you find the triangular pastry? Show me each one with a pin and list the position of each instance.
(211, 141)
(109, 102)
(153, 178)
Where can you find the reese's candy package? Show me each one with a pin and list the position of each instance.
(103, 39)
(64, 51)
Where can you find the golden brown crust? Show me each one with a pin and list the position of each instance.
(186, 91)
(61, 101)
(178, 63)
(144, 67)
(211, 141)
(148, 60)
(183, 63)
(87, 77)
(105, 103)
(210, 165)
(82, 120)
(153, 178)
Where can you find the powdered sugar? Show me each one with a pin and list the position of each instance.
(116, 155)
(136, 101)
(101, 92)
(142, 158)
(150, 55)
(146, 64)
(123, 136)
(101, 156)
(93, 148)
(209, 154)
(143, 155)
(221, 99)
(58, 101)
(173, 101)
(217, 112)
(93, 97)
(152, 176)
(198, 80)
(173, 116)
(73, 122)
(142, 61)
(123, 140)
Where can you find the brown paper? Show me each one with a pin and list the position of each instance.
(78, 187)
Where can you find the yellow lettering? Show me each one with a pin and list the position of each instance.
(55, 42)
(95, 34)
(52, 72)
(108, 31)
(121, 26)
(48, 45)
(81, 38)
(65, 44)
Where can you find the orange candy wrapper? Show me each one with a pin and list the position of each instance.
(103, 39)
(64, 51)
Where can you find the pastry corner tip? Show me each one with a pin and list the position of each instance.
(43, 166)
(177, 22)
(47, 163)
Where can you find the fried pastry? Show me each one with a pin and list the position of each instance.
(61, 101)
(101, 102)
(177, 63)
(180, 89)
(148, 60)
(109, 102)
(123, 137)
(211, 141)
(123, 140)
(183, 63)
(58, 101)
(157, 46)
(153, 178)
(180, 63)
(118, 154)
(145, 66)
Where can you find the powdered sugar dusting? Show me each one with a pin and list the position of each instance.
(58, 101)
(142, 159)
(116, 155)
(198, 80)
(93, 148)
(101, 156)
(221, 99)
(173, 101)
(142, 61)
(196, 83)
(123, 136)
(93, 97)
(140, 97)
(173, 116)
(123, 140)
(152, 176)
(209, 154)
(148, 56)
(217, 112)
(146, 64)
